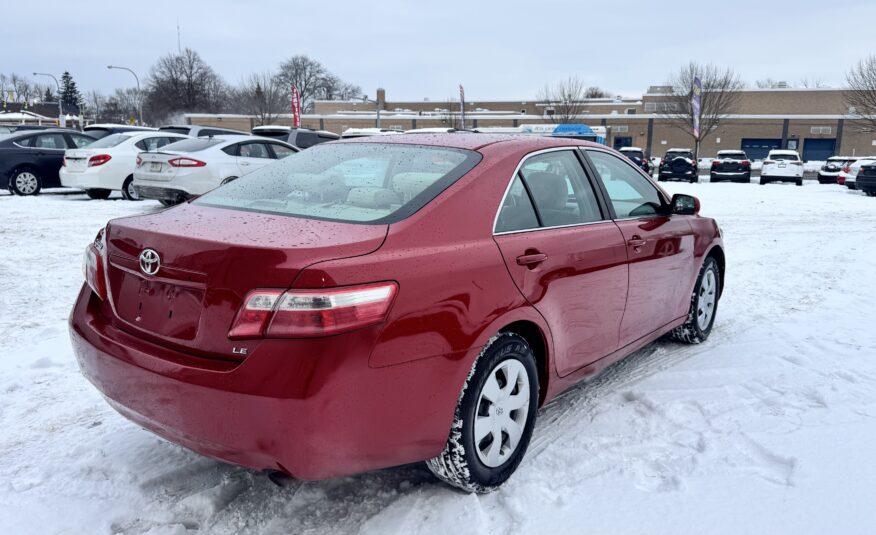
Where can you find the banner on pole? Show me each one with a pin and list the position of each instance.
(696, 103)
(296, 108)
(461, 107)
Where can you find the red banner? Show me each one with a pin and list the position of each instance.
(296, 108)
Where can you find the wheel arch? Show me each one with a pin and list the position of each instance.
(717, 252)
(537, 340)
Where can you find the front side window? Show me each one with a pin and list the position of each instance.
(630, 193)
(560, 191)
(354, 182)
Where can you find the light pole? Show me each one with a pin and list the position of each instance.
(139, 95)
(377, 105)
(61, 121)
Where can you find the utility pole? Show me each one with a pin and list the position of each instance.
(61, 121)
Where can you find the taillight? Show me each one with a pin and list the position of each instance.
(768, 162)
(139, 161)
(797, 163)
(99, 159)
(186, 162)
(662, 161)
(845, 169)
(715, 162)
(64, 162)
(744, 162)
(95, 265)
(311, 313)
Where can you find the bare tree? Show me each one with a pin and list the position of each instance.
(314, 81)
(861, 93)
(596, 92)
(766, 83)
(183, 83)
(262, 95)
(563, 101)
(812, 83)
(720, 97)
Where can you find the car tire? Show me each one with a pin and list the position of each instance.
(128, 191)
(25, 182)
(694, 180)
(98, 193)
(799, 182)
(481, 466)
(703, 305)
(763, 181)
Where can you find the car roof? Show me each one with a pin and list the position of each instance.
(21, 133)
(784, 151)
(474, 141)
(729, 151)
(631, 149)
(679, 150)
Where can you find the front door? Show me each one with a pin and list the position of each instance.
(659, 248)
(567, 258)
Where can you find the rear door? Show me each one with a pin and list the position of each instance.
(49, 156)
(659, 247)
(565, 256)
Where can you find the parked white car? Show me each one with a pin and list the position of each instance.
(107, 164)
(782, 166)
(849, 174)
(191, 167)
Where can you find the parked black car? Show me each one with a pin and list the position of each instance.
(678, 164)
(301, 138)
(200, 131)
(30, 159)
(866, 180)
(732, 165)
(637, 155)
(98, 131)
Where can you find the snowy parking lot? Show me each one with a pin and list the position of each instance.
(769, 427)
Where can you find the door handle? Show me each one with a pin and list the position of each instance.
(244, 163)
(636, 242)
(531, 259)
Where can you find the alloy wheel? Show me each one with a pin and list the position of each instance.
(706, 299)
(26, 183)
(502, 410)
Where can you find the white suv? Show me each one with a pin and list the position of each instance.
(782, 166)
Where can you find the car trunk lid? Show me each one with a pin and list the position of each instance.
(208, 258)
(156, 166)
(77, 159)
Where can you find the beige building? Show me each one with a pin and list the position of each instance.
(815, 122)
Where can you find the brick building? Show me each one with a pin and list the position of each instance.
(815, 122)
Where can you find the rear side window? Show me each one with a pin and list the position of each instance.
(193, 145)
(630, 193)
(517, 212)
(355, 182)
(81, 141)
(306, 139)
(25, 142)
(97, 132)
(281, 151)
(50, 141)
(253, 150)
(560, 191)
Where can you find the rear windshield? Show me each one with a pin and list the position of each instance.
(274, 134)
(671, 155)
(787, 157)
(732, 155)
(193, 145)
(633, 154)
(97, 133)
(353, 182)
(176, 129)
(108, 141)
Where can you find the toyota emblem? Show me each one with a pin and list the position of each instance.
(149, 261)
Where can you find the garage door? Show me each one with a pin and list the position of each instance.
(818, 149)
(758, 148)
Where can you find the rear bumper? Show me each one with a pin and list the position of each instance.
(91, 178)
(311, 408)
(687, 175)
(720, 175)
(160, 193)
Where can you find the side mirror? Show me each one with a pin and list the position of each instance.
(685, 204)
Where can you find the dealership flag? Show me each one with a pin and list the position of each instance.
(695, 105)
(296, 108)
(462, 106)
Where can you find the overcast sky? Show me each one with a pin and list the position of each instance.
(498, 49)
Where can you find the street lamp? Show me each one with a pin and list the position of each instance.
(61, 121)
(377, 105)
(139, 95)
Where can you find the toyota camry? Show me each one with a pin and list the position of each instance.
(381, 301)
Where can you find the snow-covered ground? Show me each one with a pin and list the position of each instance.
(769, 427)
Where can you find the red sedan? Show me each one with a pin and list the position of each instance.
(375, 302)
